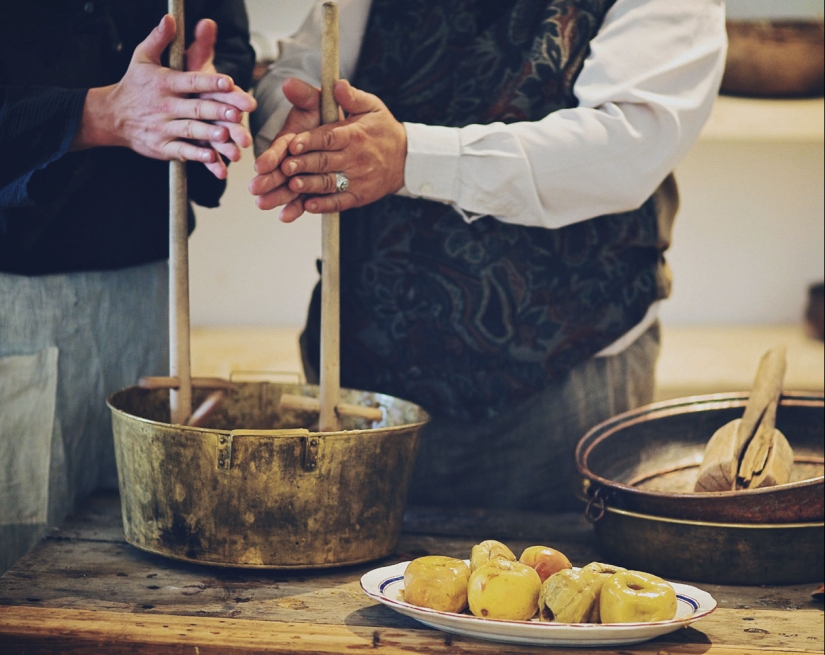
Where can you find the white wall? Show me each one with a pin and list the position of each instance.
(747, 243)
(246, 267)
(749, 237)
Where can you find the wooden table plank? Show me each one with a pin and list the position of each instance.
(85, 590)
(116, 632)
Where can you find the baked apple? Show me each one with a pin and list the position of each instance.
(602, 573)
(437, 582)
(636, 597)
(489, 550)
(572, 596)
(545, 560)
(568, 596)
(504, 589)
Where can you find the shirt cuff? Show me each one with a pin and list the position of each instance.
(431, 169)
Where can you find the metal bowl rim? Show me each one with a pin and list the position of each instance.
(697, 403)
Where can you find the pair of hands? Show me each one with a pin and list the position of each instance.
(195, 115)
(192, 115)
(299, 168)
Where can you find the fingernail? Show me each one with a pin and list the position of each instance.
(231, 115)
(299, 148)
(223, 84)
(292, 167)
(206, 156)
(313, 207)
(217, 134)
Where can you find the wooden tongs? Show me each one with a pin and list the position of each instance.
(328, 404)
(750, 452)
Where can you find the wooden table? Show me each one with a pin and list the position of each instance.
(84, 590)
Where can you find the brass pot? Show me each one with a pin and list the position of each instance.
(257, 487)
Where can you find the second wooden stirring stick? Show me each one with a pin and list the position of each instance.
(330, 373)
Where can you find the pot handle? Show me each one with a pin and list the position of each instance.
(596, 506)
(224, 451)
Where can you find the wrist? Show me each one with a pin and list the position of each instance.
(96, 123)
(399, 178)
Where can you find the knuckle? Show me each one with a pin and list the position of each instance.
(329, 139)
(328, 183)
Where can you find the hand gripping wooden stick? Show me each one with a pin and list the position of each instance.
(330, 374)
(180, 399)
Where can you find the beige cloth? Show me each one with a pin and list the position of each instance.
(66, 343)
(28, 388)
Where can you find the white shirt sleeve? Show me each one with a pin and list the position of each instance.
(644, 94)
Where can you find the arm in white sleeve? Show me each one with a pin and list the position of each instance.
(644, 94)
(300, 56)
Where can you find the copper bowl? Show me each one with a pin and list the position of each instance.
(646, 461)
(775, 58)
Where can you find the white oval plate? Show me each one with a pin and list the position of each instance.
(386, 585)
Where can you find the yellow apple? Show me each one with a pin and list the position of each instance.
(568, 596)
(603, 573)
(545, 560)
(636, 597)
(504, 589)
(489, 550)
(437, 582)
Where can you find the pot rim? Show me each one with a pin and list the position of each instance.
(339, 433)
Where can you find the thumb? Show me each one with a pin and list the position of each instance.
(202, 50)
(355, 101)
(150, 50)
(300, 94)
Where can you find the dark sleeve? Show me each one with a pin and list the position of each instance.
(235, 57)
(37, 125)
(234, 54)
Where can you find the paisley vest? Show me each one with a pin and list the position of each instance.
(468, 319)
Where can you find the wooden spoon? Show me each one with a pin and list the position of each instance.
(771, 458)
(768, 458)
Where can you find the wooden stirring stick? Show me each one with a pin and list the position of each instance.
(329, 409)
(330, 373)
(180, 399)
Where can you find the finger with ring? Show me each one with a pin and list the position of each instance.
(341, 182)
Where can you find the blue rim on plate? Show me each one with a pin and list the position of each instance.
(386, 585)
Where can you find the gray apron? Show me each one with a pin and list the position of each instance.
(66, 343)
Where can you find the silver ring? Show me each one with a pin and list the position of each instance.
(341, 182)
